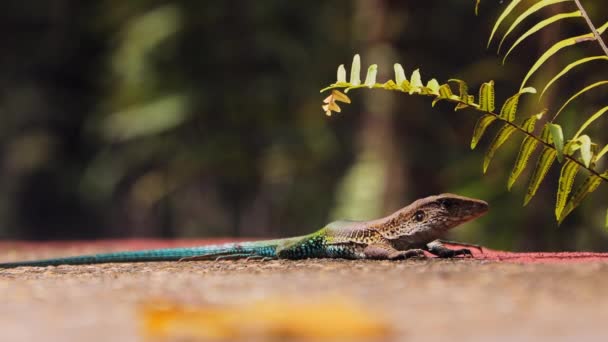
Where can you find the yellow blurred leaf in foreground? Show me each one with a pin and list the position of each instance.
(323, 319)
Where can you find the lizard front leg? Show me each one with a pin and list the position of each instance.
(437, 248)
(383, 251)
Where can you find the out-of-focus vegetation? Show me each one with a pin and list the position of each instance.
(201, 118)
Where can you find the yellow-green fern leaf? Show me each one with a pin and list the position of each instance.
(558, 139)
(558, 46)
(509, 108)
(528, 146)
(480, 128)
(582, 91)
(568, 68)
(593, 117)
(502, 17)
(546, 159)
(503, 134)
(486, 97)
(588, 186)
(370, 78)
(566, 179)
(355, 71)
(585, 149)
(432, 87)
(600, 154)
(533, 9)
(545, 135)
(416, 82)
(463, 88)
(538, 27)
(525, 151)
(399, 74)
(445, 92)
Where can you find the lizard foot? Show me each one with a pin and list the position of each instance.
(410, 253)
(451, 253)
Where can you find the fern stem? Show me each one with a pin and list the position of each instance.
(592, 27)
(520, 129)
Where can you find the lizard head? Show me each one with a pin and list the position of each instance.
(431, 216)
(446, 211)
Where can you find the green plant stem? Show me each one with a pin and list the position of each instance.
(518, 128)
(605, 179)
(592, 27)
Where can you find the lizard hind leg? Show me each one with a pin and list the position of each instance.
(387, 252)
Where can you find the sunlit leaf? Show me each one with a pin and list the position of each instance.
(502, 17)
(355, 71)
(399, 74)
(416, 82)
(480, 128)
(566, 179)
(525, 151)
(585, 149)
(589, 121)
(509, 108)
(558, 139)
(588, 186)
(330, 102)
(463, 88)
(433, 86)
(503, 134)
(445, 92)
(545, 160)
(341, 74)
(528, 146)
(558, 46)
(582, 91)
(568, 68)
(531, 10)
(486, 97)
(370, 78)
(539, 27)
(601, 153)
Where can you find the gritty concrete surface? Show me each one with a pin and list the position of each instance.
(430, 300)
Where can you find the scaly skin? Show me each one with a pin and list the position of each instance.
(406, 233)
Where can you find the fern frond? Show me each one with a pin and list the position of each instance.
(558, 140)
(509, 108)
(558, 46)
(480, 127)
(539, 26)
(486, 97)
(551, 137)
(566, 179)
(579, 93)
(501, 137)
(528, 146)
(546, 159)
(588, 186)
(568, 68)
(593, 117)
(531, 10)
(502, 17)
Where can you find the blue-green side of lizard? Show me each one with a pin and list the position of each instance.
(406, 233)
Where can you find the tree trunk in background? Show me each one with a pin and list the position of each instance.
(375, 183)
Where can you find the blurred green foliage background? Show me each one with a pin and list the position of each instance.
(203, 118)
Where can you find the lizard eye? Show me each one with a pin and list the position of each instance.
(419, 216)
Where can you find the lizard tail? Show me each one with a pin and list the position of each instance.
(211, 252)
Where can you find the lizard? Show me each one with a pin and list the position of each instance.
(403, 234)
